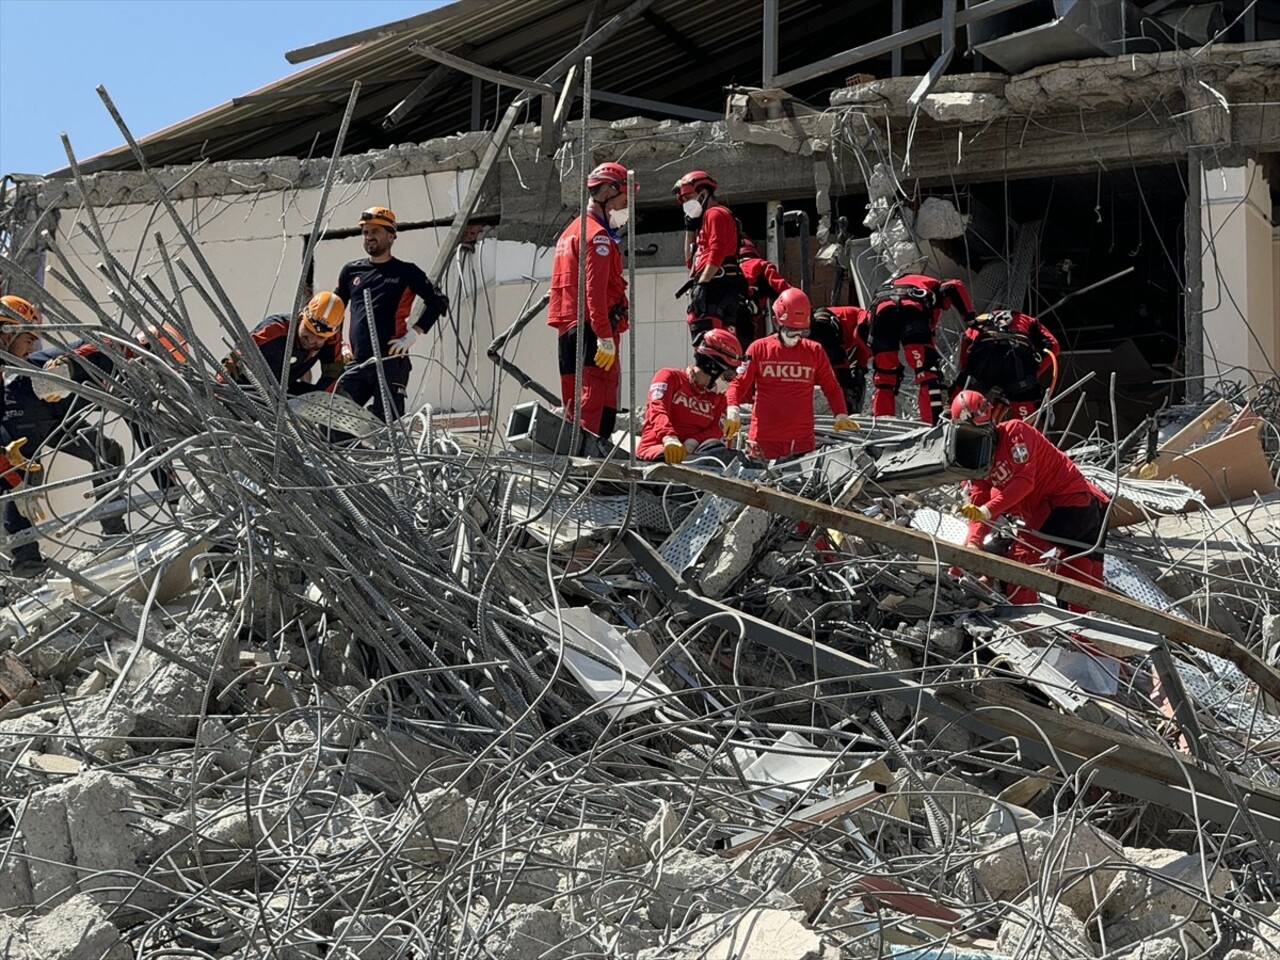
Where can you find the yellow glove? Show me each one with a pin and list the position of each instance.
(1148, 471)
(673, 450)
(972, 512)
(30, 503)
(844, 422)
(606, 354)
(17, 459)
(732, 423)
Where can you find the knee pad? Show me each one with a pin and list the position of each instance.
(886, 373)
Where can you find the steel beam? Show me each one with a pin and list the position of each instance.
(508, 121)
(940, 65)
(443, 57)
(893, 42)
(769, 36)
(414, 97)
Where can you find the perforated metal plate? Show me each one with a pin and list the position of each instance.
(1166, 496)
(944, 526)
(682, 549)
(337, 412)
(572, 517)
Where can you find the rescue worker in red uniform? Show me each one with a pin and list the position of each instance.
(685, 406)
(712, 238)
(392, 284)
(608, 210)
(843, 333)
(16, 470)
(904, 313)
(781, 372)
(1033, 480)
(318, 340)
(764, 283)
(1008, 352)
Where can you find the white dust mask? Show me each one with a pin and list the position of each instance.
(618, 218)
(692, 208)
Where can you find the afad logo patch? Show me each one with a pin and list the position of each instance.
(657, 390)
(1020, 454)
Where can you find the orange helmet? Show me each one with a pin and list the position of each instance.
(378, 217)
(791, 310)
(323, 314)
(165, 337)
(21, 307)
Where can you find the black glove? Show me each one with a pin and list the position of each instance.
(698, 301)
(619, 314)
(691, 225)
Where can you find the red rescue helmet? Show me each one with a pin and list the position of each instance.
(165, 337)
(608, 172)
(323, 314)
(717, 351)
(747, 249)
(693, 182)
(970, 406)
(791, 310)
(21, 307)
(378, 217)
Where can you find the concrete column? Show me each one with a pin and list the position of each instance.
(1241, 332)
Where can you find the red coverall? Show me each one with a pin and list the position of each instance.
(764, 283)
(606, 313)
(1011, 351)
(782, 379)
(720, 302)
(904, 313)
(1032, 479)
(677, 408)
(851, 356)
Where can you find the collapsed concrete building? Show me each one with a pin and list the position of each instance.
(434, 696)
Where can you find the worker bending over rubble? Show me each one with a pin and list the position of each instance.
(718, 290)
(17, 472)
(1033, 480)
(318, 340)
(1005, 355)
(95, 365)
(386, 336)
(764, 284)
(605, 302)
(904, 313)
(685, 407)
(781, 372)
(843, 333)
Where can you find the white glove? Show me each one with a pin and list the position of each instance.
(400, 347)
(673, 450)
(30, 503)
(51, 385)
(845, 422)
(606, 354)
(973, 512)
(347, 353)
(732, 422)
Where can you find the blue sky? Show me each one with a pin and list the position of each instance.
(161, 60)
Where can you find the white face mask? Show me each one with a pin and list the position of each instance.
(719, 386)
(618, 218)
(692, 208)
(790, 337)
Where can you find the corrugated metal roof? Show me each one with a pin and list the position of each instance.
(680, 51)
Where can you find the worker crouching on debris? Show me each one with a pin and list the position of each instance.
(605, 301)
(718, 290)
(764, 284)
(318, 340)
(843, 332)
(391, 285)
(685, 407)
(17, 473)
(1005, 355)
(1033, 480)
(781, 372)
(904, 313)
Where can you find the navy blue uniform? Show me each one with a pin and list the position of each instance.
(391, 286)
(270, 337)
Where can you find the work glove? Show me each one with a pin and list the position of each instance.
(30, 503)
(732, 423)
(845, 423)
(400, 346)
(347, 353)
(673, 450)
(1148, 471)
(692, 224)
(231, 367)
(606, 354)
(51, 386)
(972, 512)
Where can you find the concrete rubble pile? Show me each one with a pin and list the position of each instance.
(413, 697)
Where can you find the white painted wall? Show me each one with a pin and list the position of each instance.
(254, 244)
(1241, 320)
